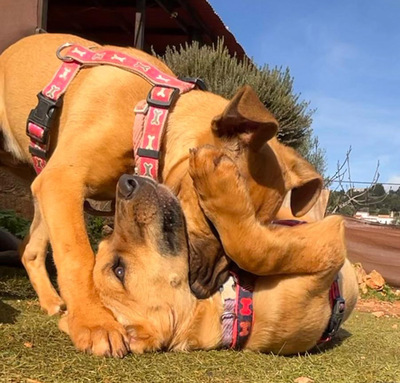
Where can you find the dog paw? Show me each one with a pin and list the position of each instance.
(97, 332)
(52, 305)
(216, 179)
(142, 339)
(212, 170)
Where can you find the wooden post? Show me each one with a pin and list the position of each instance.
(140, 23)
(42, 16)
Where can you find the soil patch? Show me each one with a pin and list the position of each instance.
(376, 306)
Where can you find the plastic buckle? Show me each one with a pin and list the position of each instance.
(200, 84)
(149, 153)
(38, 152)
(43, 116)
(337, 316)
(163, 104)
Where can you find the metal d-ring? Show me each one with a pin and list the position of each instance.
(64, 58)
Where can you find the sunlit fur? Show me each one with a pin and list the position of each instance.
(154, 302)
(92, 146)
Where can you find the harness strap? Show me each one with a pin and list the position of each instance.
(152, 113)
(338, 306)
(41, 119)
(237, 318)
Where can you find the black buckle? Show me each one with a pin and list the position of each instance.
(200, 84)
(43, 115)
(336, 317)
(149, 153)
(163, 104)
(38, 152)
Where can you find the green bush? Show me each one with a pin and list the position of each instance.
(14, 224)
(94, 226)
(19, 226)
(224, 74)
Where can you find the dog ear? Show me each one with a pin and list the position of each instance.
(303, 181)
(246, 117)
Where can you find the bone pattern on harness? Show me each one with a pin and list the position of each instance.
(165, 90)
(237, 318)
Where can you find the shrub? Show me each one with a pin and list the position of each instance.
(224, 74)
(14, 224)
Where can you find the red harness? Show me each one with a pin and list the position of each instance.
(151, 114)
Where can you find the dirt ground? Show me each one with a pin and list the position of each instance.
(376, 247)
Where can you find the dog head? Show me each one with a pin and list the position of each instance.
(246, 130)
(141, 270)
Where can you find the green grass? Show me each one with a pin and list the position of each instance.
(370, 354)
(387, 294)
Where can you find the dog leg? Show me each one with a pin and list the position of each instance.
(34, 251)
(59, 190)
(257, 248)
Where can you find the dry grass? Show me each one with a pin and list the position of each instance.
(33, 349)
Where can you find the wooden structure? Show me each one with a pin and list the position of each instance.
(145, 24)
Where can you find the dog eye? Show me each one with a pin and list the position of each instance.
(119, 272)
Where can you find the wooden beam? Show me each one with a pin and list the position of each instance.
(139, 24)
(42, 7)
(173, 15)
(200, 25)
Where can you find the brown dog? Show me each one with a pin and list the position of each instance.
(141, 269)
(92, 147)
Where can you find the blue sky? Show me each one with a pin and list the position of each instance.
(345, 58)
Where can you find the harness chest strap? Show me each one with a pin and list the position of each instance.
(166, 89)
(41, 119)
(238, 316)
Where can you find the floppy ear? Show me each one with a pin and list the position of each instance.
(246, 117)
(303, 180)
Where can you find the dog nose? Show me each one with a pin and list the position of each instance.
(127, 185)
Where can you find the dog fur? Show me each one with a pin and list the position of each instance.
(91, 147)
(142, 269)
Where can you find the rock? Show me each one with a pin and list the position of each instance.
(375, 281)
(378, 314)
(360, 273)
(363, 287)
(303, 379)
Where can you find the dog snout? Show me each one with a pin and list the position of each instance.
(127, 186)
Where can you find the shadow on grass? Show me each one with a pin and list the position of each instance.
(14, 284)
(8, 314)
(337, 340)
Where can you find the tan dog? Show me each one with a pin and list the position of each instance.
(91, 146)
(141, 269)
